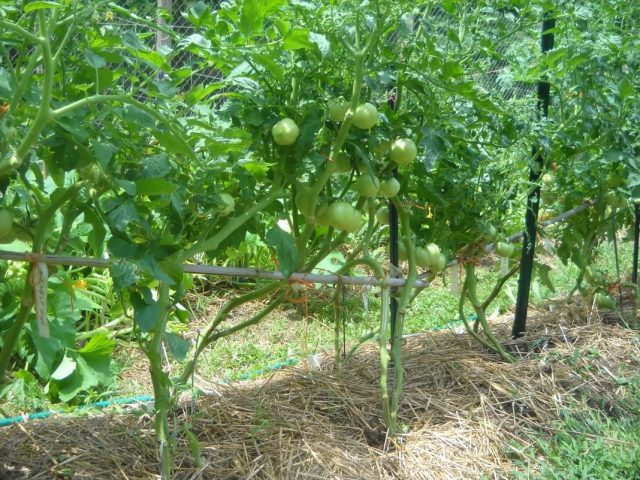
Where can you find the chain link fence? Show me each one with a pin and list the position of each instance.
(495, 70)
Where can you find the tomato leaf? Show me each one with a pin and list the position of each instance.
(297, 39)
(146, 314)
(178, 346)
(151, 266)
(543, 274)
(33, 6)
(285, 248)
(66, 367)
(124, 274)
(154, 186)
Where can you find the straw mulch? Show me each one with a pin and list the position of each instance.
(462, 408)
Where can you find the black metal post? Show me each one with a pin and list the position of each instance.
(533, 200)
(636, 242)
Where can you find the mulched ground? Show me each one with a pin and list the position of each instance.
(461, 406)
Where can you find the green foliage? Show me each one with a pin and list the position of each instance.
(589, 446)
(110, 144)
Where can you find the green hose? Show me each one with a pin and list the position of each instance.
(5, 422)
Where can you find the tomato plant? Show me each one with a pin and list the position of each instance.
(110, 146)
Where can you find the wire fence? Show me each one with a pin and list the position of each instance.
(493, 68)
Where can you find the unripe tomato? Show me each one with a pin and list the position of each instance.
(389, 188)
(367, 186)
(615, 200)
(433, 251)
(6, 222)
(303, 201)
(439, 264)
(365, 116)
(322, 215)
(403, 151)
(285, 132)
(593, 276)
(615, 180)
(422, 257)
(403, 256)
(8, 237)
(343, 216)
(382, 148)
(491, 232)
(382, 215)
(229, 204)
(9, 133)
(605, 301)
(337, 109)
(505, 250)
(548, 179)
(343, 163)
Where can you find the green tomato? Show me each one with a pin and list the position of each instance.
(343, 163)
(403, 151)
(548, 179)
(505, 250)
(303, 201)
(8, 237)
(337, 109)
(382, 215)
(367, 186)
(322, 215)
(389, 188)
(382, 147)
(615, 180)
(433, 253)
(439, 264)
(9, 133)
(91, 173)
(422, 257)
(285, 132)
(6, 222)
(615, 200)
(606, 301)
(403, 256)
(593, 276)
(344, 216)
(229, 204)
(491, 232)
(24, 236)
(365, 116)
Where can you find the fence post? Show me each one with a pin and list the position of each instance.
(162, 39)
(533, 200)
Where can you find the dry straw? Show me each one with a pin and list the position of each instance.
(462, 408)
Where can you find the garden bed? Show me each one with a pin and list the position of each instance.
(466, 413)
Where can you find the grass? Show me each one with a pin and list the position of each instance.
(587, 445)
(307, 329)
